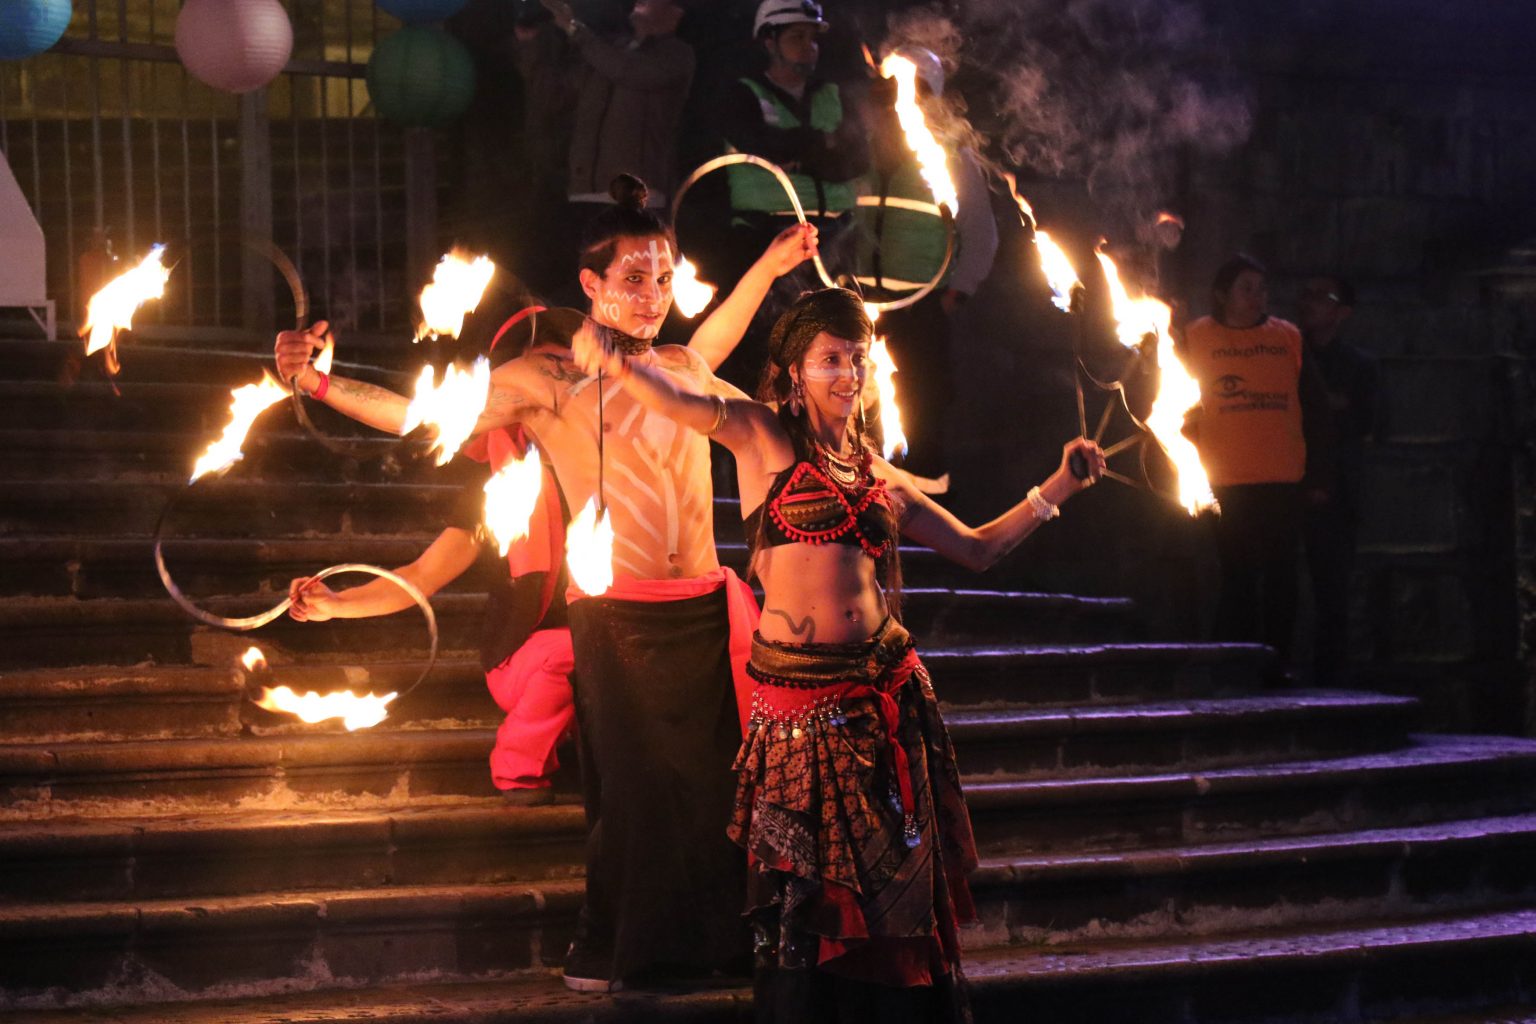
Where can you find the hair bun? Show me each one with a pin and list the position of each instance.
(629, 192)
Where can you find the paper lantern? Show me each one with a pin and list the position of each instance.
(28, 27)
(416, 12)
(421, 76)
(234, 45)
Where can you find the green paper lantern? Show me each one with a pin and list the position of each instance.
(421, 76)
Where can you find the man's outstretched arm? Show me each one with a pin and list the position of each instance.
(376, 406)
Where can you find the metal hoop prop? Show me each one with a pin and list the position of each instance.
(250, 622)
(779, 175)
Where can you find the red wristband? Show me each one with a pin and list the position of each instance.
(320, 389)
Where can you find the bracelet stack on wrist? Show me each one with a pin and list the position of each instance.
(1043, 510)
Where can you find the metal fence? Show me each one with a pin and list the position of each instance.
(113, 142)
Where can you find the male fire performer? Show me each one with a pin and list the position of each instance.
(655, 656)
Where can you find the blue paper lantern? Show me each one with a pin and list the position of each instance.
(417, 12)
(28, 27)
(421, 76)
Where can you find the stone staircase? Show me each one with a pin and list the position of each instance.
(1163, 837)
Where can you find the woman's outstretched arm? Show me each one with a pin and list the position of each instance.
(980, 547)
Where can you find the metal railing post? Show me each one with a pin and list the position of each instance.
(256, 302)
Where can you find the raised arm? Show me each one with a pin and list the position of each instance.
(979, 547)
(444, 560)
(723, 329)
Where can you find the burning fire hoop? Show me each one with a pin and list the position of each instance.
(246, 623)
(247, 403)
(779, 175)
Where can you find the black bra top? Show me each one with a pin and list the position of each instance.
(805, 505)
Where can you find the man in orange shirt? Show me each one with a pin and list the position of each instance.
(1261, 427)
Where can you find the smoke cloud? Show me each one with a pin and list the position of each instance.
(1104, 91)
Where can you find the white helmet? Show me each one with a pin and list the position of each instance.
(929, 68)
(773, 13)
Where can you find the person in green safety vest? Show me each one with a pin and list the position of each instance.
(788, 115)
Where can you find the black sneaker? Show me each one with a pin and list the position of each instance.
(588, 971)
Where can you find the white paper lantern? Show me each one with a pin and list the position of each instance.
(234, 45)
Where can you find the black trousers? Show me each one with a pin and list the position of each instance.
(656, 710)
(1257, 534)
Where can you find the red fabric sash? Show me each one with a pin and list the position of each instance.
(741, 607)
(784, 702)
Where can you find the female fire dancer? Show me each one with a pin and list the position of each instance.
(656, 655)
(848, 799)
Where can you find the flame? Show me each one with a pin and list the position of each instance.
(356, 711)
(1134, 318)
(456, 288)
(246, 403)
(1058, 270)
(689, 293)
(1177, 391)
(112, 307)
(869, 58)
(452, 406)
(327, 354)
(510, 498)
(589, 550)
(932, 161)
(885, 386)
(1026, 212)
(253, 659)
(1059, 273)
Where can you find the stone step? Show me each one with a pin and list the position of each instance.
(1437, 778)
(339, 935)
(167, 455)
(367, 768)
(141, 703)
(1205, 889)
(148, 701)
(225, 363)
(1310, 975)
(1052, 899)
(249, 506)
(1024, 742)
(229, 507)
(92, 566)
(241, 852)
(61, 631)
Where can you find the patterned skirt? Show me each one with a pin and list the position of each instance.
(848, 803)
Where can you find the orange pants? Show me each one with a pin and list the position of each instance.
(533, 686)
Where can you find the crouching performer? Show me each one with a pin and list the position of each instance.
(848, 799)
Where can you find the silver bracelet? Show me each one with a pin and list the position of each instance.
(1043, 510)
(720, 411)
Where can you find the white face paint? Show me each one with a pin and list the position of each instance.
(635, 293)
(834, 371)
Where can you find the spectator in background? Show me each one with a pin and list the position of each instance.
(788, 115)
(1262, 432)
(900, 246)
(1333, 510)
(628, 93)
